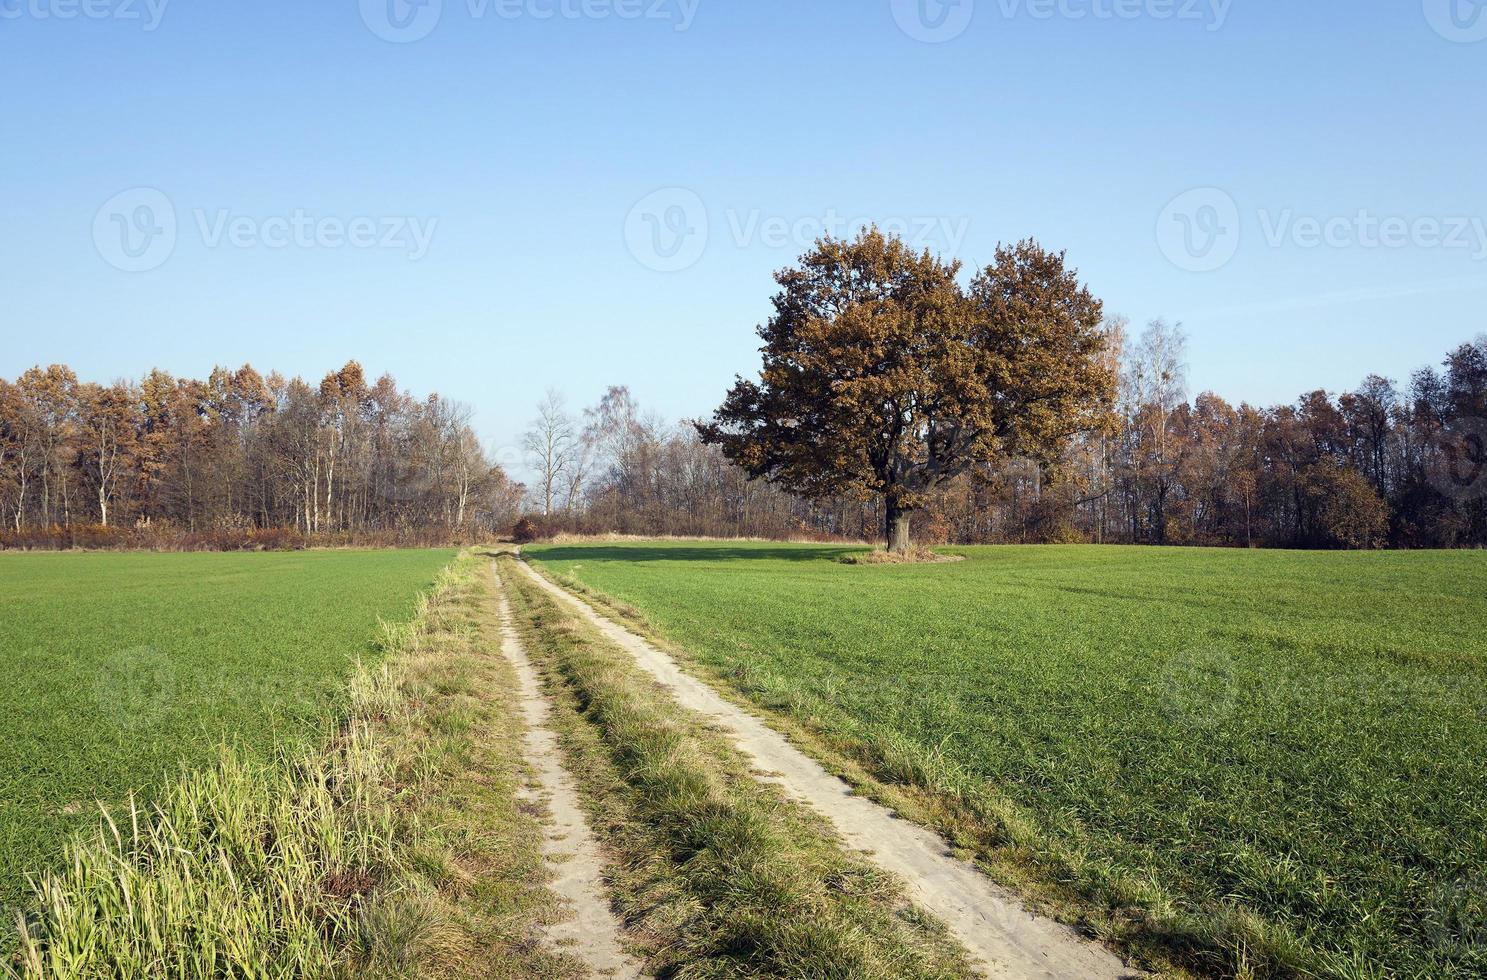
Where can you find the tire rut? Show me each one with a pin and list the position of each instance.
(569, 847)
(989, 920)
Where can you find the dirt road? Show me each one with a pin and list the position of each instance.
(593, 934)
(989, 921)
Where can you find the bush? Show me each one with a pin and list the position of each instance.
(1348, 512)
(526, 531)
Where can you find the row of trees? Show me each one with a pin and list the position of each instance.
(1382, 465)
(1378, 466)
(1008, 410)
(1015, 412)
(240, 451)
(615, 468)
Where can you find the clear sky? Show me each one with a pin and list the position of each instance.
(491, 197)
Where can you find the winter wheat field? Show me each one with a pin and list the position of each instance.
(1197, 763)
(1244, 757)
(121, 670)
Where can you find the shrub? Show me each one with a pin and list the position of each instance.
(1348, 512)
(526, 531)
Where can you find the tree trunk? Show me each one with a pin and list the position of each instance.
(897, 526)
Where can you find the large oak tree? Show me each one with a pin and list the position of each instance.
(882, 375)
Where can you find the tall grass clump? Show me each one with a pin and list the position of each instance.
(297, 867)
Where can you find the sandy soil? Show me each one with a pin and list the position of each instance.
(593, 933)
(1007, 939)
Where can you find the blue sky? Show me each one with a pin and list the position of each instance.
(491, 197)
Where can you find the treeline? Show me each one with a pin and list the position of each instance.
(1377, 466)
(1383, 465)
(240, 460)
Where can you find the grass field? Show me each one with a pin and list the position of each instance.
(120, 670)
(1259, 761)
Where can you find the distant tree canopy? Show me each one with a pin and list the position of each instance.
(242, 451)
(237, 458)
(883, 377)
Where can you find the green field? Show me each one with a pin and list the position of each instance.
(1267, 758)
(121, 669)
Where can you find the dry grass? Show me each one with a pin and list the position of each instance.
(914, 556)
(611, 537)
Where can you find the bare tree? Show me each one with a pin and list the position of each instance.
(551, 445)
(1154, 386)
(576, 475)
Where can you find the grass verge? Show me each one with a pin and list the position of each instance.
(715, 873)
(396, 850)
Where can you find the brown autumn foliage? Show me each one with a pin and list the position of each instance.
(883, 378)
(526, 530)
(240, 461)
(168, 537)
(1173, 471)
(243, 461)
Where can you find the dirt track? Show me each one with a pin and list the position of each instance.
(593, 934)
(989, 921)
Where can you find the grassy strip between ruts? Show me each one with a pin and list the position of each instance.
(397, 850)
(715, 874)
